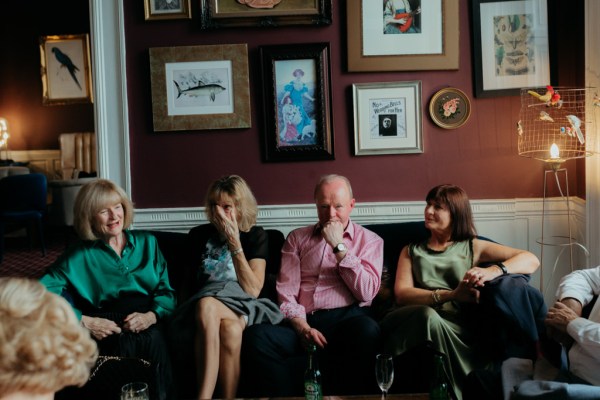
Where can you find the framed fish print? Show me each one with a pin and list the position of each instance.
(387, 118)
(510, 46)
(65, 69)
(200, 87)
(167, 9)
(297, 92)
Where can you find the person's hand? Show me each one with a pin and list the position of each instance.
(310, 336)
(333, 232)
(465, 292)
(477, 276)
(228, 226)
(100, 328)
(559, 316)
(138, 322)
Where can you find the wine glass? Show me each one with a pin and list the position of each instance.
(384, 372)
(135, 391)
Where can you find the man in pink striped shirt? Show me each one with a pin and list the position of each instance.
(330, 273)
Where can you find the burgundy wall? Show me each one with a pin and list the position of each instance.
(34, 126)
(171, 169)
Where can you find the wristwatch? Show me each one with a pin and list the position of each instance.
(339, 248)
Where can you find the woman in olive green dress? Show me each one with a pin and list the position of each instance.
(436, 277)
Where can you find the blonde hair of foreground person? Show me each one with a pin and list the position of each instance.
(42, 346)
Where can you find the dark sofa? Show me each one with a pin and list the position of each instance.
(175, 249)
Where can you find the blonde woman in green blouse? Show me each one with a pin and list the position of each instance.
(117, 279)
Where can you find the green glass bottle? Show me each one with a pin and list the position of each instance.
(439, 385)
(312, 377)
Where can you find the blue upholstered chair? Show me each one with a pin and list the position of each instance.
(23, 202)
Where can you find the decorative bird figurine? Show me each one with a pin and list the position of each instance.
(546, 97)
(555, 100)
(544, 116)
(66, 62)
(596, 101)
(576, 125)
(519, 128)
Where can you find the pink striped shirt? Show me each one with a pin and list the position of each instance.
(311, 279)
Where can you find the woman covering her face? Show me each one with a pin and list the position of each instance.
(230, 260)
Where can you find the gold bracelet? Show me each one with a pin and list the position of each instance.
(237, 251)
(436, 297)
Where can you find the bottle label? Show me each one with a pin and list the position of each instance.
(312, 391)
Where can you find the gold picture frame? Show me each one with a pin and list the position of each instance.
(207, 87)
(450, 108)
(162, 9)
(65, 69)
(231, 13)
(407, 54)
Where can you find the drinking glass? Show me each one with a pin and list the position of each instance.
(384, 372)
(135, 391)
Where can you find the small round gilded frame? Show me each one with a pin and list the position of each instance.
(450, 108)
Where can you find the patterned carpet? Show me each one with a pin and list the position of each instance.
(22, 261)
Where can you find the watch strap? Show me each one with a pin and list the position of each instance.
(503, 268)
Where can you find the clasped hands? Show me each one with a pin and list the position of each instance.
(101, 328)
(467, 290)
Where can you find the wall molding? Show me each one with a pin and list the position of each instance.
(288, 217)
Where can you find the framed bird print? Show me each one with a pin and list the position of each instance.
(510, 46)
(65, 68)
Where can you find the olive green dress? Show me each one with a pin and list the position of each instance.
(444, 328)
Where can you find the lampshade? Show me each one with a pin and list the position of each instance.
(553, 123)
(3, 133)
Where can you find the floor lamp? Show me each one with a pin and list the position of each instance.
(552, 128)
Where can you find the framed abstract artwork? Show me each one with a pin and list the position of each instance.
(264, 13)
(65, 69)
(510, 46)
(387, 118)
(297, 93)
(407, 35)
(200, 87)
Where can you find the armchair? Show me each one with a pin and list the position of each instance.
(77, 159)
(77, 153)
(23, 202)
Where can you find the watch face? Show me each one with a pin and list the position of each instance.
(340, 247)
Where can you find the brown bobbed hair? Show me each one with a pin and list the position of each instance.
(455, 198)
(43, 348)
(236, 188)
(94, 197)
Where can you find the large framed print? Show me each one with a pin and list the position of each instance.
(510, 46)
(426, 40)
(387, 118)
(65, 69)
(297, 94)
(264, 13)
(200, 87)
